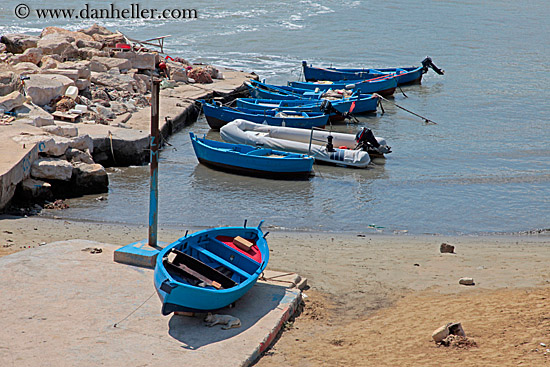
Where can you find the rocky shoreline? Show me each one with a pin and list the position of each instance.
(70, 95)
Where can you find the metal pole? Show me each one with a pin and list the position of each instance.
(154, 163)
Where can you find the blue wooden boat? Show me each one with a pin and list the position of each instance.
(404, 75)
(249, 160)
(261, 90)
(210, 269)
(357, 105)
(217, 116)
(383, 85)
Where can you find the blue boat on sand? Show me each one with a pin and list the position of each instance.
(404, 75)
(210, 269)
(250, 160)
(217, 116)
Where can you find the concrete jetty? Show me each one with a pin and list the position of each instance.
(69, 304)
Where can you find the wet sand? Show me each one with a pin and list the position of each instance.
(375, 299)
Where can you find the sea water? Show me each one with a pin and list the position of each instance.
(483, 168)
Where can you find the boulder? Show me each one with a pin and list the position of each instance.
(71, 74)
(146, 79)
(65, 130)
(114, 79)
(32, 55)
(83, 68)
(76, 155)
(3, 48)
(118, 108)
(48, 62)
(82, 142)
(104, 112)
(44, 142)
(58, 44)
(32, 190)
(34, 115)
(110, 62)
(96, 29)
(179, 75)
(97, 66)
(43, 88)
(39, 120)
(90, 178)
(138, 61)
(12, 100)
(9, 82)
(26, 68)
(52, 169)
(90, 44)
(17, 43)
(75, 36)
(87, 53)
(61, 144)
(109, 40)
(82, 84)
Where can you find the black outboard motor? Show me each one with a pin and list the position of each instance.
(427, 63)
(330, 146)
(365, 139)
(328, 108)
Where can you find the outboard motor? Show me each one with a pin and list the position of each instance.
(330, 146)
(327, 107)
(427, 63)
(366, 141)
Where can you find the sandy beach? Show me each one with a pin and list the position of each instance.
(376, 299)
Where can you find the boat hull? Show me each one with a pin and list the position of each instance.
(207, 246)
(217, 116)
(384, 86)
(254, 161)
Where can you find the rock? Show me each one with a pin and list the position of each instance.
(48, 62)
(26, 68)
(138, 61)
(43, 88)
(17, 43)
(52, 169)
(90, 178)
(82, 142)
(109, 62)
(96, 29)
(466, 281)
(100, 94)
(89, 44)
(32, 55)
(83, 68)
(87, 53)
(441, 333)
(109, 40)
(82, 84)
(12, 100)
(61, 144)
(34, 115)
(446, 248)
(44, 142)
(118, 108)
(74, 36)
(114, 79)
(97, 66)
(32, 190)
(456, 329)
(146, 81)
(9, 82)
(41, 120)
(58, 44)
(3, 48)
(179, 75)
(104, 112)
(71, 74)
(65, 130)
(76, 155)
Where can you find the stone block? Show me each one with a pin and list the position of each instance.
(90, 178)
(111, 62)
(43, 88)
(65, 130)
(17, 43)
(52, 169)
(138, 60)
(82, 142)
(58, 44)
(12, 101)
(76, 155)
(32, 55)
(71, 74)
(26, 68)
(9, 82)
(32, 189)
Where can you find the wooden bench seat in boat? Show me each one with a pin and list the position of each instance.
(223, 262)
(188, 266)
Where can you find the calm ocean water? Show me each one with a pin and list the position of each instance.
(484, 168)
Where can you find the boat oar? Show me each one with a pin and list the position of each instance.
(426, 120)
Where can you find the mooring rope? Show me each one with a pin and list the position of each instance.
(130, 314)
(426, 120)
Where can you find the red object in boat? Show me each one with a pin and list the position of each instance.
(123, 46)
(254, 252)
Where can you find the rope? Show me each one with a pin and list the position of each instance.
(403, 92)
(130, 314)
(426, 120)
(112, 150)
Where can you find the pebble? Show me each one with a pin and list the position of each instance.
(466, 281)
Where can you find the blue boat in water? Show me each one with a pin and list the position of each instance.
(342, 106)
(404, 75)
(210, 269)
(383, 85)
(250, 160)
(217, 116)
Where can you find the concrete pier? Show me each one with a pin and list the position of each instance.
(113, 145)
(69, 304)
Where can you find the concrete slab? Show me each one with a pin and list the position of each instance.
(60, 304)
(138, 253)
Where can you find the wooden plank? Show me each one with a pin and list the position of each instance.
(197, 275)
(242, 243)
